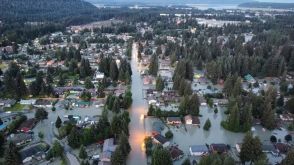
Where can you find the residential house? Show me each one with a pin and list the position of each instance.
(198, 150)
(219, 148)
(157, 127)
(108, 149)
(173, 120)
(249, 79)
(221, 101)
(20, 138)
(287, 117)
(35, 152)
(7, 102)
(175, 153)
(282, 148)
(28, 102)
(6, 118)
(99, 75)
(27, 125)
(42, 103)
(269, 149)
(159, 139)
(192, 120)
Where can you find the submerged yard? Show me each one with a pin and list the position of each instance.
(185, 136)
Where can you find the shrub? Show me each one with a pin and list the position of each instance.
(273, 139)
(169, 134)
(215, 110)
(288, 138)
(207, 125)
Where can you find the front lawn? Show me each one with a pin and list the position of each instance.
(16, 107)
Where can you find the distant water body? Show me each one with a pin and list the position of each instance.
(213, 6)
(198, 6)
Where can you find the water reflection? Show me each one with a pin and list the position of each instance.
(137, 111)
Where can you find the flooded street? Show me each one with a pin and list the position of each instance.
(138, 109)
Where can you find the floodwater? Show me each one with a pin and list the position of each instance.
(137, 111)
(193, 135)
(141, 127)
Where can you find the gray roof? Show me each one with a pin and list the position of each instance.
(161, 139)
(7, 101)
(157, 127)
(173, 119)
(16, 138)
(33, 150)
(109, 145)
(268, 148)
(199, 148)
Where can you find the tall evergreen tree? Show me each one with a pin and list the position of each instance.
(251, 150)
(268, 115)
(118, 158)
(74, 138)
(83, 153)
(159, 83)
(194, 104)
(247, 117)
(116, 105)
(85, 69)
(58, 122)
(116, 125)
(289, 159)
(153, 66)
(88, 83)
(12, 156)
(124, 144)
(234, 118)
(113, 72)
(161, 156)
(21, 89)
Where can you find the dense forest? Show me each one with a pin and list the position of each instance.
(43, 10)
(25, 20)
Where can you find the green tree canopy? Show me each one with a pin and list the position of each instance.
(11, 155)
(58, 122)
(251, 149)
(83, 154)
(41, 114)
(74, 138)
(161, 156)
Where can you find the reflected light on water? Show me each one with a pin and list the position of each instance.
(143, 146)
(142, 117)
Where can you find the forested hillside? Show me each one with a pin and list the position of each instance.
(70, 11)
(19, 17)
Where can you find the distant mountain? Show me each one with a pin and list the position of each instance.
(267, 5)
(167, 2)
(45, 10)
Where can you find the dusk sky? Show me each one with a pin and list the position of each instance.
(285, 1)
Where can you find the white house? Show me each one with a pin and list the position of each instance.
(192, 120)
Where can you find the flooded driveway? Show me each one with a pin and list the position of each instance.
(139, 108)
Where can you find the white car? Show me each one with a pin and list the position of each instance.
(95, 157)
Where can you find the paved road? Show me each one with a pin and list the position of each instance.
(138, 109)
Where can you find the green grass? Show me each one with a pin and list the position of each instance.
(16, 107)
(3, 65)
